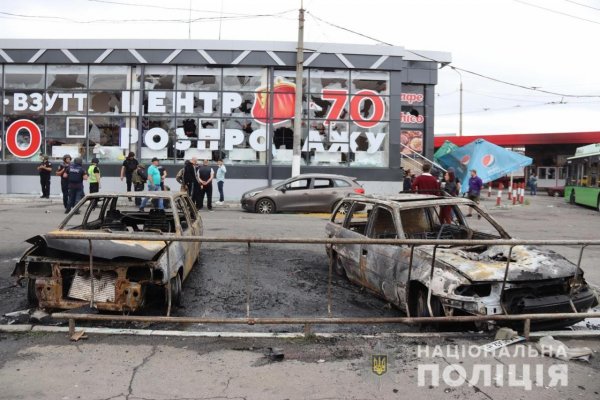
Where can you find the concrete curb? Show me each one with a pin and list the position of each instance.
(24, 328)
(56, 200)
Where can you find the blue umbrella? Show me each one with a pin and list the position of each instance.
(489, 160)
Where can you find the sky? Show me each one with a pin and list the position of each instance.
(550, 45)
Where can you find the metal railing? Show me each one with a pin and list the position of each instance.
(416, 154)
(330, 319)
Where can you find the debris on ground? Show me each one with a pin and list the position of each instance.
(19, 317)
(78, 335)
(505, 333)
(551, 347)
(40, 316)
(275, 354)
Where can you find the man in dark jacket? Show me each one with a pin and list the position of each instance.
(45, 170)
(129, 165)
(205, 177)
(189, 178)
(76, 174)
(64, 181)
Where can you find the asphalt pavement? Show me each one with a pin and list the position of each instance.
(285, 281)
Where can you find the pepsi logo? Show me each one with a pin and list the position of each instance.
(487, 160)
(465, 160)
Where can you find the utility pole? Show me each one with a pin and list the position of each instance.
(297, 143)
(460, 107)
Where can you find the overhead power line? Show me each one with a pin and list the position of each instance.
(121, 3)
(491, 78)
(583, 5)
(52, 18)
(556, 12)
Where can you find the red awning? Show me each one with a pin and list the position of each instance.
(523, 139)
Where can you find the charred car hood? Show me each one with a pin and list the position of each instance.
(108, 249)
(488, 263)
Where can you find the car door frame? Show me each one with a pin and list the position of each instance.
(283, 201)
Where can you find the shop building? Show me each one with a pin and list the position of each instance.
(230, 100)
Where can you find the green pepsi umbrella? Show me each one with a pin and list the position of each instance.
(447, 147)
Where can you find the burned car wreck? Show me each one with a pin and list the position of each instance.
(57, 269)
(466, 279)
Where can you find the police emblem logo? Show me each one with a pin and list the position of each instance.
(379, 364)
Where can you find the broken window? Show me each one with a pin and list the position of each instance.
(359, 217)
(383, 226)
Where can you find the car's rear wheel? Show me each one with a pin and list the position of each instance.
(598, 204)
(265, 206)
(32, 298)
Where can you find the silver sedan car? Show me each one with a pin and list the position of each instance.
(306, 192)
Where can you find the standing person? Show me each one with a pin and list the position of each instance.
(45, 170)
(129, 165)
(475, 185)
(94, 176)
(426, 183)
(163, 175)
(533, 184)
(407, 182)
(139, 178)
(64, 181)
(153, 183)
(452, 188)
(75, 176)
(205, 177)
(189, 178)
(221, 171)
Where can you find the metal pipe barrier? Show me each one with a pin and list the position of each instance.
(309, 321)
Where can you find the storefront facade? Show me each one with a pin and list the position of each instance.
(229, 100)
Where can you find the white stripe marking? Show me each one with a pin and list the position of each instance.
(240, 57)
(137, 56)
(311, 58)
(103, 56)
(36, 56)
(343, 59)
(206, 56)
(70, 56)
(275, 57)
(379, 61)
(5, 56)
(174, 54)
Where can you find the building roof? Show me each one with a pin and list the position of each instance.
(523, 139)
(218, 52)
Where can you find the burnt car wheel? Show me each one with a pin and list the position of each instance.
(423, 310)
(32, 298)
(177, 291)
(265, 206)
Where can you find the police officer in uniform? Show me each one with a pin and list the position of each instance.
(75, 176)
(93, 173)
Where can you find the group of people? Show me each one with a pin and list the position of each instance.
(196, 179)
(426, 183)
(72, 176)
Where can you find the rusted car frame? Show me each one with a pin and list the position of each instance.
(449, 280)
(114, 275)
